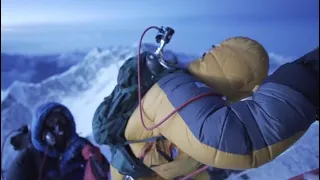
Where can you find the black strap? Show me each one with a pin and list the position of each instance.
(98, 169)
(163, 154)
(152, 139)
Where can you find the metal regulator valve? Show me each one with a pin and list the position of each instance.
(157, 61)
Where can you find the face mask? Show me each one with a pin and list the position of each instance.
(55, 130)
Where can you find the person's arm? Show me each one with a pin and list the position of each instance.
(248, 133)
(23, 167)
(97, 164)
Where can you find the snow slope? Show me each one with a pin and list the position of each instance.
(83, 87)
(34, 69)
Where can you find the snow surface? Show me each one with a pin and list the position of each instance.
(3, 94)
(83, 87)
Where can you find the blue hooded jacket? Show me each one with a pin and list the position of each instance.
(70, 164)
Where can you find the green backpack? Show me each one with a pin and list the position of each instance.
(111, 117)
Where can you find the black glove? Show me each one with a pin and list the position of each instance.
(22, 139)
(301, 75)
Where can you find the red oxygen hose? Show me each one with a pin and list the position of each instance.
(139, 76)
(174, 111)
(195, 173)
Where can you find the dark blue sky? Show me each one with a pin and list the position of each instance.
(288, 27)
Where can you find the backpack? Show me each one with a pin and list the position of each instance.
(111, 116)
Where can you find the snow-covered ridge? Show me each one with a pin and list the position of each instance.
(90, 80)
(35, 68)
(77, 79)
(3, 94)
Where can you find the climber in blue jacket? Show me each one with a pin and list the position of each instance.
(56, 151)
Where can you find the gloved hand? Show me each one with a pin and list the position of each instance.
(301, 75)
(22, 139)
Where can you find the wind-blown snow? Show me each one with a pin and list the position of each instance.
(87, 103)
(83, 87)
(34, 69)
(3, 94)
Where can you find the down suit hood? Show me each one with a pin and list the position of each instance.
(38, 125)
(233, 68)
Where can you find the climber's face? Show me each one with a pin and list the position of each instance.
(56, 124)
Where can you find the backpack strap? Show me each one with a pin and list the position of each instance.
(151, 140)
(163, 154)
(147, 140)
(130, 89)
(96, 168)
